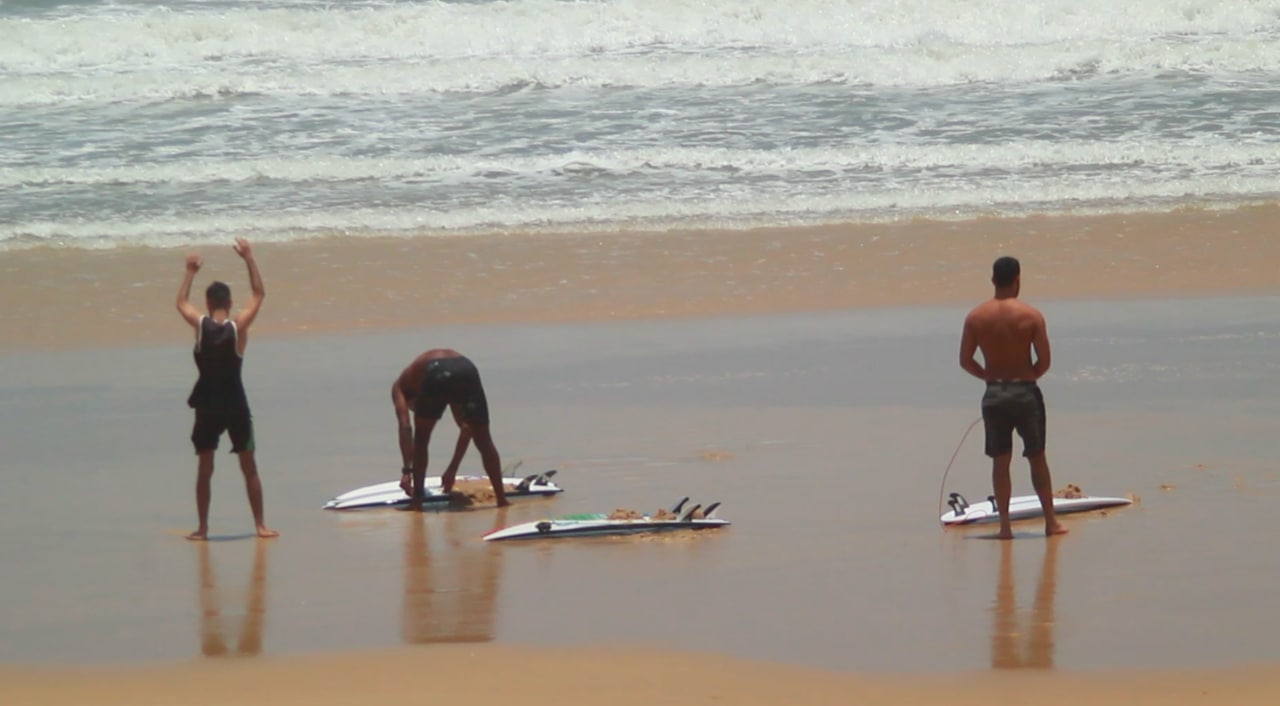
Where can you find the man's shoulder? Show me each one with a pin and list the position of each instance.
(1030, 309)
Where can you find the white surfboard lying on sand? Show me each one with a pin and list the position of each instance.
(389, 494)
(598, 524)
(1021, 507)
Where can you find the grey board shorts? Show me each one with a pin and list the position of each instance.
(1013, 406)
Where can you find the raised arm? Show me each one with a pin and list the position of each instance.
(257, 292)
(968, 351)
(189, 312)
(1040, 344)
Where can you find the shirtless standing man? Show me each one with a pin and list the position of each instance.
(218, 397)
(1008, 331)
(434, 380)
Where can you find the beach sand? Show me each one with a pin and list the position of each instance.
(493, 674)
(816, 395)
(347, 284)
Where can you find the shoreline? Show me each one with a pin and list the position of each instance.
(616, 675)
(123, 297)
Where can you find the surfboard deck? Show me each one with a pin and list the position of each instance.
(1022, 507)
(390, 495)
(599, 524)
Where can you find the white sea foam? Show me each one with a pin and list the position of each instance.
(291, 118)
(153, 53)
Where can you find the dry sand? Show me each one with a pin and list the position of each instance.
(60, 298)
(494, 674)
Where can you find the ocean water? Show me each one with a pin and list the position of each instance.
(132, 122)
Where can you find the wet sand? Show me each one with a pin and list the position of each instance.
(824, 435)
(824, 431)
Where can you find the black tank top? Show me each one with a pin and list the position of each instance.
(219, 387)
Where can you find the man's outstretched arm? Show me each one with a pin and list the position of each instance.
(405, 435)
(189, 312)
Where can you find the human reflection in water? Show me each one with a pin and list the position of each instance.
(1012, 646)
(451, 583)
(212, 630)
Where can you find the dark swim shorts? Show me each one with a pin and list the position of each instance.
(210, 424)
(452, 382)
(1007, 406)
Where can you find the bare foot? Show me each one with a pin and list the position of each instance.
(415, 505)
(504, 503)
(266, 532)
(406, 484)
(1004, 534)
(1053, 529)
(199, 535)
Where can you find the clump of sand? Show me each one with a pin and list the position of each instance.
(1070, 490)
(625, 514)
(661, 514)
(714, 455)
(466, 493)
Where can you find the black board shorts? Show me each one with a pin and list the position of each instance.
(1010, 406)
(210, 424)
(452, 382)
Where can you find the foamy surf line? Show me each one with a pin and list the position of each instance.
(130, 124)
(925, 43)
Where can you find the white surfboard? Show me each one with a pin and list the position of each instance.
(390, 495)
(1021, 507)
(600, 524)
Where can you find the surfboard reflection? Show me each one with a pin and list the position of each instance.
(1015, 645)
(451, 579)
(213, 642)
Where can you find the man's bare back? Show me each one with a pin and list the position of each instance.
(411, 377)
(1007, 331)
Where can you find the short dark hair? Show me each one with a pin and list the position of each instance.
(218, 296)
(1005, 270)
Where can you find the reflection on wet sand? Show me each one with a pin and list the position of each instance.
(451, 583)
(249, 641)
(1012, 647)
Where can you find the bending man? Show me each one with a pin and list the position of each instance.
(434, 380)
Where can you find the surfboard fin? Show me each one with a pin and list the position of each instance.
(532, 478)
(675, 509)
(688, 515)
(711, 509)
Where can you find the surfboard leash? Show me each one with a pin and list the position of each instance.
(942, 489)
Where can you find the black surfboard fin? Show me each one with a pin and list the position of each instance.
(675, 509)
(710, 509)
(688, 515)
